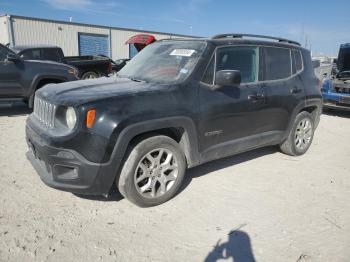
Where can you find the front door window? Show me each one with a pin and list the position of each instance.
(244, 59)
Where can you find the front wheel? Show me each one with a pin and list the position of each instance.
(301, 135)
(153, 171)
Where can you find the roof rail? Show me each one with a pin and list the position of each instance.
(281, 40)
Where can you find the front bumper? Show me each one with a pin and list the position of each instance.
(68, 170)
(336, 100)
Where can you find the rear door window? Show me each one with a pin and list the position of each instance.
(242, 58)
(51, 54)
(278, 64)
(298, 61)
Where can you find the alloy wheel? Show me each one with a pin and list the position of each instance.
(156, 173)
(303, 134)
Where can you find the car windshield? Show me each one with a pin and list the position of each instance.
(164, 62)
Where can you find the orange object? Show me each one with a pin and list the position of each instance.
(140, 41)
(90, 118)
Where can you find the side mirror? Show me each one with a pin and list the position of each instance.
(316, 63)
(228, 78)
(12, 57)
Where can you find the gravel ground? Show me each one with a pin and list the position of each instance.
(257, 206)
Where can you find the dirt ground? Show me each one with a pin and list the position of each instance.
(257, 206)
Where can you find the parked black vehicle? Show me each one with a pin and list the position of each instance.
(117, 65)
(19, 79)
(176, 105)
(88, 66)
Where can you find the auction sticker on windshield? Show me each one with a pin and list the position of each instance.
(183, 52)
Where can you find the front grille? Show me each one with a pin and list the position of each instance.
(44, 112)
(342, 90)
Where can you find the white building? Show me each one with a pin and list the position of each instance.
(73, 38)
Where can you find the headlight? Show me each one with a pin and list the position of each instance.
(71, 117)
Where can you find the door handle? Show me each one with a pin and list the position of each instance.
(295, 90)
(256, 97)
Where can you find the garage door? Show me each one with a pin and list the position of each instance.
(93, 44)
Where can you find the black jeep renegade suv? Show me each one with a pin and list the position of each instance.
(177, 104)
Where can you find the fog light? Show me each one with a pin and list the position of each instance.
(65, 172)
(65, 154)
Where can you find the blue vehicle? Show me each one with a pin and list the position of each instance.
(336, 91)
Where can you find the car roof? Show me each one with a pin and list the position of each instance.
(237, 41)
(245, 39)
(19, 48)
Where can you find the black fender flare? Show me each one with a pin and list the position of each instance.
(316, 102)
(188, 142)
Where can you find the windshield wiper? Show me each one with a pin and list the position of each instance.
(137, 80)
(131, 78)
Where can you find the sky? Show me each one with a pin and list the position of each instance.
(319, 25)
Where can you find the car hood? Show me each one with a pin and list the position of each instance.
(84, 91)
(50, 63)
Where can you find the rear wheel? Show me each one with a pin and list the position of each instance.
(89, 75)
(300, 137)
(152, 172)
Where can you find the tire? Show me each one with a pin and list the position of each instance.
(301, 135)
(149, 178)
(89, 75)
(31, 101)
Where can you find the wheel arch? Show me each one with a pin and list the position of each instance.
(40, 81)
(312, 106)
(181, 129)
